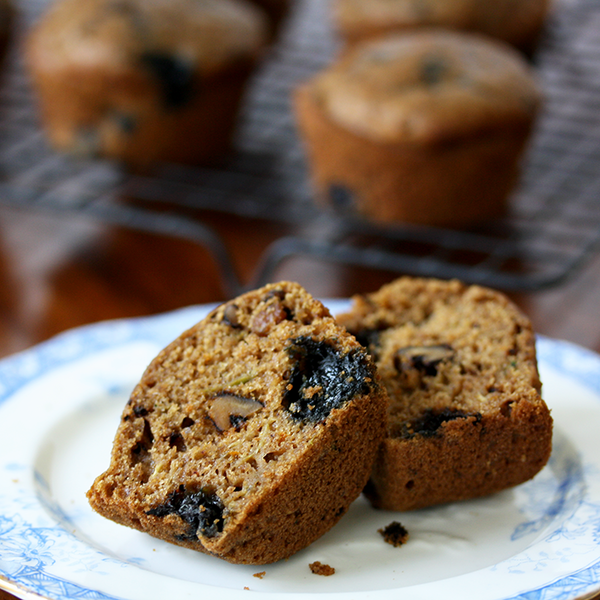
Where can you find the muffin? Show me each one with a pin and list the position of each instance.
(518, 22)
(249, 436)
(427, 127)
(143, 81)
(466, 417)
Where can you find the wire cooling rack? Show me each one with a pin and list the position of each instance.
(553, 226)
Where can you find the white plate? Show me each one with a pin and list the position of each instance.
(59, 407)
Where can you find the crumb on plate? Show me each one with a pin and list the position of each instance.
(320, 569)
(395, 534)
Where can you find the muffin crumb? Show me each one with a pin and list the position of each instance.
(319, 568)
(395, 534)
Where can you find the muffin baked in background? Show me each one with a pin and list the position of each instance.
(142, 81)
(518, 22)
(427, 127)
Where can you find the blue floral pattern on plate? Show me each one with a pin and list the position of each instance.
(557, 538)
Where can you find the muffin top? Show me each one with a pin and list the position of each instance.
(510, 20)
(427, 87)
(208, 34)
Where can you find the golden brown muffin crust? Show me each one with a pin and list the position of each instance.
(144, 81)
(428, 87)
(113, 33)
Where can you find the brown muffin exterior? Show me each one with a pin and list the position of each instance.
(143, 81)
(426, 128)
(466, 416)
(517, 22)
(249, 436)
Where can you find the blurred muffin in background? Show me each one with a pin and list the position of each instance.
(427, 127)
(143, 81)
(518, 22)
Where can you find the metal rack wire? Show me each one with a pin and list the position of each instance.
(553, 227)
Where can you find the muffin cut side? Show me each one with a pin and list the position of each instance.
(250, 435)
(466, 416)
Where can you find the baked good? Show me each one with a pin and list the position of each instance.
(318, 568)
(143, 81)
(427, 127)
(466, 417)
(518, 22)
(249, 436)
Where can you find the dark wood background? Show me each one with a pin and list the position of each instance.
(62, 272)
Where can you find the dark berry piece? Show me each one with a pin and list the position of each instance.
(202, 511)
(429, 424)
(323, 379)
(174, 75)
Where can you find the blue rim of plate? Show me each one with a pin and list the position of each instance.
(18, 370)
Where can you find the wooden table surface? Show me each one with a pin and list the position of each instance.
(62, 272)
(59, 273)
